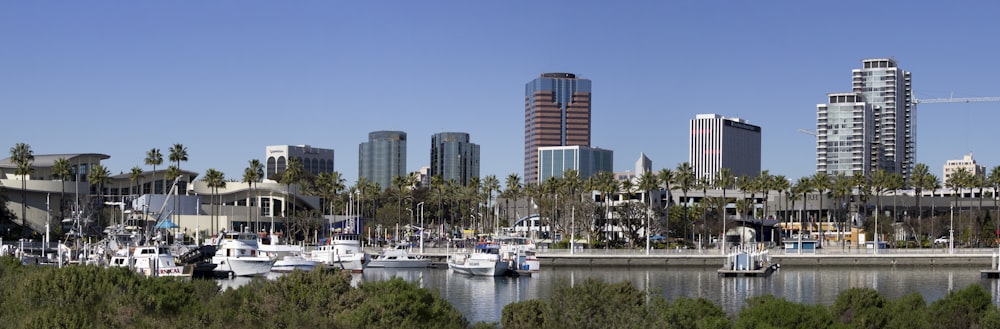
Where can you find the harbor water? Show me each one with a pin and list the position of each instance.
(483, 298)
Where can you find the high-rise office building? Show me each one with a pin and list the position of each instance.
(887, 92)
(382, 157)
(453, 157)
(553, 161)
(556, 113)
(314, 160)
(845, 133)
(718, 142)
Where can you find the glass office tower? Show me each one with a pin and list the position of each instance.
(382, 157)
(453, 157)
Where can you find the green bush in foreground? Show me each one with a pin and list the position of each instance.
(91, 297)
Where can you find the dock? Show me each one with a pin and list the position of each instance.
(763, 272)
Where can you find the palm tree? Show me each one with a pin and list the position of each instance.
(803, 186)
(328, 186)
(921, 179)
(292, 175)
(685, 180)
(172, 173)
(840, 188)
(438, 194)
(214, 179)
(252, 175)
(607, 185)
(22, 156)
(955, 182)
(491, 184)
(398, 183)
(155, 158)
(99, 176)
(648, 183)
(178, 153)
(666, 176)
(782, 184)
(821, 182)
(135, 176)
(513, 191)
(721, 181)
(63, 171)
(994, 181)
(704, 183)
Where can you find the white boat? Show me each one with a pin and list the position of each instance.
(150, 261)
(484, 260)
(342, 251)
(236, 254)
(286, 257)
(521, 251)
(398, 257)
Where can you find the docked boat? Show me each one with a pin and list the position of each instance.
(287, 257)
(522, 253)
(398, 257)
(152, 261)
(341, 251)
(483, 260)
(237, 255)
(748, 260)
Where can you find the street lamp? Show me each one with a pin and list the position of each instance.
(420, 209)
(951, 231)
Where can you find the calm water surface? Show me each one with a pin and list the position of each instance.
(483, 298)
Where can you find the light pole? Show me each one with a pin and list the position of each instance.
(951, 230)
(420, 209)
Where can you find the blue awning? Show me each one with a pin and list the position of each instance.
(166, 224)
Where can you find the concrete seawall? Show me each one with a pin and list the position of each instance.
(981, 260)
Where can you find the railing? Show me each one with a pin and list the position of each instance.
(776, 251)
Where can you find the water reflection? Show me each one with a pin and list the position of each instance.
(483, 298)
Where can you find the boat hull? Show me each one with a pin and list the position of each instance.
(243, 266)
(400, 263)
(480, 268)
(289, 264)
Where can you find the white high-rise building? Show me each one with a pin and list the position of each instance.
(718, 142)
(845, 133)
(887, 92)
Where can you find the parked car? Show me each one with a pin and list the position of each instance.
(941, 240)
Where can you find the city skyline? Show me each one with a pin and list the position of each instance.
(122, 79)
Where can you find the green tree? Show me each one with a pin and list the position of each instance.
(292, 175)
(920, 180)
(821, 182)
(155, 158)
(960, 309)
(595, 304)
(685, 180)
(252, 175)
(215, 180)
(99, 176)
(772, 312)
(23, 158)
(63, 171)
(722, 181)
(512, 191)
(666, 176)
(647, 183)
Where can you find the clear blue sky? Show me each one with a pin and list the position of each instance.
(227, 78)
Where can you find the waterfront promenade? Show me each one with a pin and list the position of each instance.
(831, 256)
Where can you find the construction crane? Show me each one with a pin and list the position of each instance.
(932, 101)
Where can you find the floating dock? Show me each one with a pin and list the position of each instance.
(748, 261)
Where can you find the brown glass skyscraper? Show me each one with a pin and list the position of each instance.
(556, 113)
